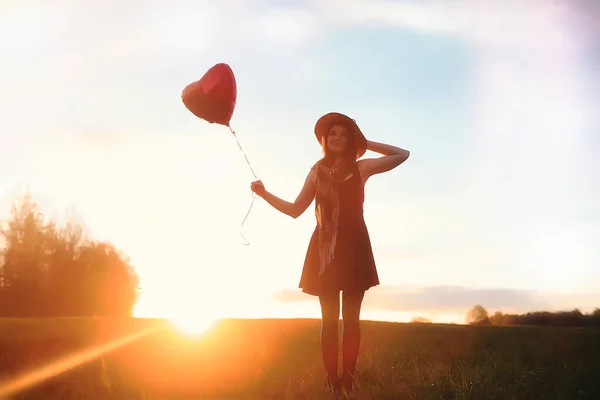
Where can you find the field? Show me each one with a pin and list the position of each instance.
(280, 359)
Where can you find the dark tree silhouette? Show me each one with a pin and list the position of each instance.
(574, 318)
(497, 318)
(46, 270)
(477, 315)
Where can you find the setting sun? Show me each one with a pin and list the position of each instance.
(192, 325)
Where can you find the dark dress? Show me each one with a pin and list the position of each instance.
(353, 267)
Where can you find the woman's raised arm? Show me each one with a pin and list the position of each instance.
(392, 157)
(295, 209)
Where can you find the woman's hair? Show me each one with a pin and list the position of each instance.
(351, 145)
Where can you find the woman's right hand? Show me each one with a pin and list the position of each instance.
(258, 188)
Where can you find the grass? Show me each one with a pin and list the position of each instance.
(280, 359)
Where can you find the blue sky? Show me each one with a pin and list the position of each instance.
(495, 100)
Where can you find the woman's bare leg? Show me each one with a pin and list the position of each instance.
(351, 305)
(330, 311)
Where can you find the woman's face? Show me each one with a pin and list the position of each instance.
(337, 139)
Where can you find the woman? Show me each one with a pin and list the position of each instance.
(339, 256)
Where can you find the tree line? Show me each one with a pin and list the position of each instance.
(478, 315)
(47, 270)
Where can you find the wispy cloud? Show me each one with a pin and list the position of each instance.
(530, 24)
(283, 25)
(458, 299)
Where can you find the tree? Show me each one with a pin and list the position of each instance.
(24, 263)
(420, 320)
(497, 318)
(478, 315)
(46, 270)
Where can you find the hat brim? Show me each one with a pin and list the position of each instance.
(326, 121)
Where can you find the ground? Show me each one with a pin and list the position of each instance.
(280, 359)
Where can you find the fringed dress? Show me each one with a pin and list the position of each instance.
(353, 267)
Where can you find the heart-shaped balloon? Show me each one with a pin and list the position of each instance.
(213, 97)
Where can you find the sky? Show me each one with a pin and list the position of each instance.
(495, 100)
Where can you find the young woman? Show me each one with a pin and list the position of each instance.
(339, 256)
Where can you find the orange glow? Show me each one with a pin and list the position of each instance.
(192, 326)
(32, 378)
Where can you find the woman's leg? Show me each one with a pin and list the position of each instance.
(351, 305)
(330, 311)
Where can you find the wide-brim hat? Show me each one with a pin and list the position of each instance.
(326, 121)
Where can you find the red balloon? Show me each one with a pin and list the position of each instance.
(214, 96)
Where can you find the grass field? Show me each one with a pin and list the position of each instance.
(280, 359)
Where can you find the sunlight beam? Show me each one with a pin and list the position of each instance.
(69, 362)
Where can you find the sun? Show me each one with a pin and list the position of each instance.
(192, 326)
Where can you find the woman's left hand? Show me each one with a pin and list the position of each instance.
(258, 188)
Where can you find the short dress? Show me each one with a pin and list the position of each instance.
(353, 267)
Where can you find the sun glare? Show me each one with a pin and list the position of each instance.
(192, 326)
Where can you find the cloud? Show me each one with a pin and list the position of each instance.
(457, 299)
(531, 24)
(162, 28)
(284, 25)
(449, 298)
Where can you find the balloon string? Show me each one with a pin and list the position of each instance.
(253, 197)
(243, 152)
(244, 220)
